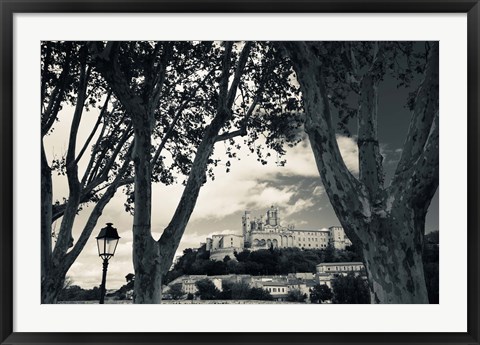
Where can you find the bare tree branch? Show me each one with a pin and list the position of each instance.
(242, 61)
(94, 129)
(97, 212)
(177, 116)
(170, 239)
(65, 233)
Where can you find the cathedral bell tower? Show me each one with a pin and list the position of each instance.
(246, 227)
(272, 216)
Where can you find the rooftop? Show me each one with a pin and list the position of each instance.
(312, 230)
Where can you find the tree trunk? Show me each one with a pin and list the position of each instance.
(388, 224)
(148, 271)
(146, 256)
(392, 254)
(52, 284)
(46, 216)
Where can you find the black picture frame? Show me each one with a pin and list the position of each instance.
(10, 7)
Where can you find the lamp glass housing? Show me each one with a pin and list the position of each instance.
(107, 241)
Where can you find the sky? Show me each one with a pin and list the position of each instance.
(295, 188)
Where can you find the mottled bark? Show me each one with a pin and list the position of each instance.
(140, 107)
(370, 160)
(46, 216)
(52, 285)
(347, 195)
(392, 254)
(145, 250)
(148, 267)
(387, 224)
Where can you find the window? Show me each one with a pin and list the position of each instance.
(274, 289)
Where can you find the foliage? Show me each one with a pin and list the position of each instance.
(122, 293)
(260, 262)
(176, 291)
(76, 293)
(320, 293)
(259, 294)
(343, 65)
(350, 289)
(296, 296)
(190, 95)
(207, 290)
(239, 291)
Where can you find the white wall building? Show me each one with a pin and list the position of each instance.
(326, 272)
(188, 283)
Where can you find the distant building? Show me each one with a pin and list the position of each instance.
(326, 272)
(277, 286)
(221, 246)
(258, 233)
(278, 289)
(189, 283)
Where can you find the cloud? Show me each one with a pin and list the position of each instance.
(391, 156)
(87, 269)
(249, 185)
(298, 206)
(318, 191)
(349, 151)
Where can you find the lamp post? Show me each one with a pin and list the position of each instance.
(107, 241)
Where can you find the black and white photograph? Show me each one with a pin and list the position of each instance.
(239, 172)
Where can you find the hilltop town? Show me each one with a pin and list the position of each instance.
(267, 233)
(269, 263)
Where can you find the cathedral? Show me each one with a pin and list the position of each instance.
(267, 232)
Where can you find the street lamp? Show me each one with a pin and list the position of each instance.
(107, 241)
